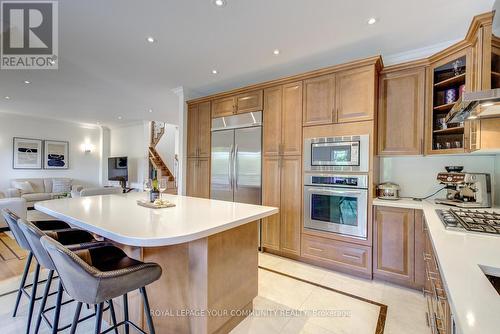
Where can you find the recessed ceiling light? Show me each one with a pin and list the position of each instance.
(372, 20)
(220, 3)
(150, 110)
(214, 72)
(7, 97)
(151, 39)
(119, 117)
(27, 82)
(276, 52)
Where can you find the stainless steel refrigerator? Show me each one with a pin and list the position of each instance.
(237, 158)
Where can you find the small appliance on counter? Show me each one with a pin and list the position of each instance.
(388, 191)
(465, 190)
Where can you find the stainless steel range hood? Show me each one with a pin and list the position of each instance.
(472, 105)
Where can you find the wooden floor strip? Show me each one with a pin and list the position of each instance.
(383, 308)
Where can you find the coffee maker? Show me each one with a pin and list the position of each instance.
(465, 190)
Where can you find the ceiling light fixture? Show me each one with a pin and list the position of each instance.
(372, 20)
(27, 82)
(220, 3)
(276, 52)
(119, 117)
(7, 97)
(151, 39)
(150, 110)
(214, 72)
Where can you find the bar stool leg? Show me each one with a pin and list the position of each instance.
(44, 300)
(98, 318)
(23, 282)
(33, 297)
(147, 310)
(125, 313)
(76, 317)
(55, 323)
(113, 314)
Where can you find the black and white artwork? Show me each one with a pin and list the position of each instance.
(27, 153)
(56, 154)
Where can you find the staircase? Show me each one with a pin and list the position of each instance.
(157, 131)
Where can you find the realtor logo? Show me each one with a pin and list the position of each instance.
(29, 35)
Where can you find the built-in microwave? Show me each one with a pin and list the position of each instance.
(343, 153)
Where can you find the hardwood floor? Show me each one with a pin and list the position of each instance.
(12, 257)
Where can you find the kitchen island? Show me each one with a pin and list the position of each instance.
(206, 248)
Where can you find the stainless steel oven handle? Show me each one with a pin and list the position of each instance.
(335, 191)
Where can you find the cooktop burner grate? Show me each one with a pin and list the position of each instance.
(471, 220)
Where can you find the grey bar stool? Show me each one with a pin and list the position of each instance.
(11, 219)
(72, 238)
(99, 274)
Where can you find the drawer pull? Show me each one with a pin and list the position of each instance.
(315, 249)
(351, 256)
(427, 319)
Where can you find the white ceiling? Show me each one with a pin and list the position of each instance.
(107, 69)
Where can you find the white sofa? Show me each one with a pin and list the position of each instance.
(96, 191)
(42, 189)
(16, 205)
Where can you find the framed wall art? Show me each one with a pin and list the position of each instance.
(56, 154)
(27, 153)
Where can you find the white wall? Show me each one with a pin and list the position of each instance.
(83, 167)
(167, 147)
(417, 175)
(131, 141)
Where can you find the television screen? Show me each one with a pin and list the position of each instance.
(118, 169)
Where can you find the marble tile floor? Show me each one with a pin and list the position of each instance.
(289, 305)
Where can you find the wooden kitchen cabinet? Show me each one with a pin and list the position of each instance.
(198, 177)
(319, 100)
(393, 244)
(291, 203)
(225, 106)
(247, 102)
(282, 187)
(198, 128)
(271, 196)
(355, 94)
(282, 133)
(398, 245)
(242, 103)
(401, 112)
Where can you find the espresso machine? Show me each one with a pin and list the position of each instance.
(465, 190)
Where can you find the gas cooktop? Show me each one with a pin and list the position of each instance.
(471, 220)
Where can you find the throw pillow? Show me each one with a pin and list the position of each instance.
(61, 186)
(24, 186)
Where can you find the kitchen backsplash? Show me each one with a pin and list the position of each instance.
(417, 175)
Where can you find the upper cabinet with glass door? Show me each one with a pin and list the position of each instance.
(448, 79)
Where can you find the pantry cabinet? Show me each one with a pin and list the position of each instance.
(398, 236)
(282, 167)
(198, 177)
(198, 128)
(401, 112)
(282, 133)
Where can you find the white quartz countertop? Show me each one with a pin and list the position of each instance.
(119, 218)
(406, 203)
(474, 302)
